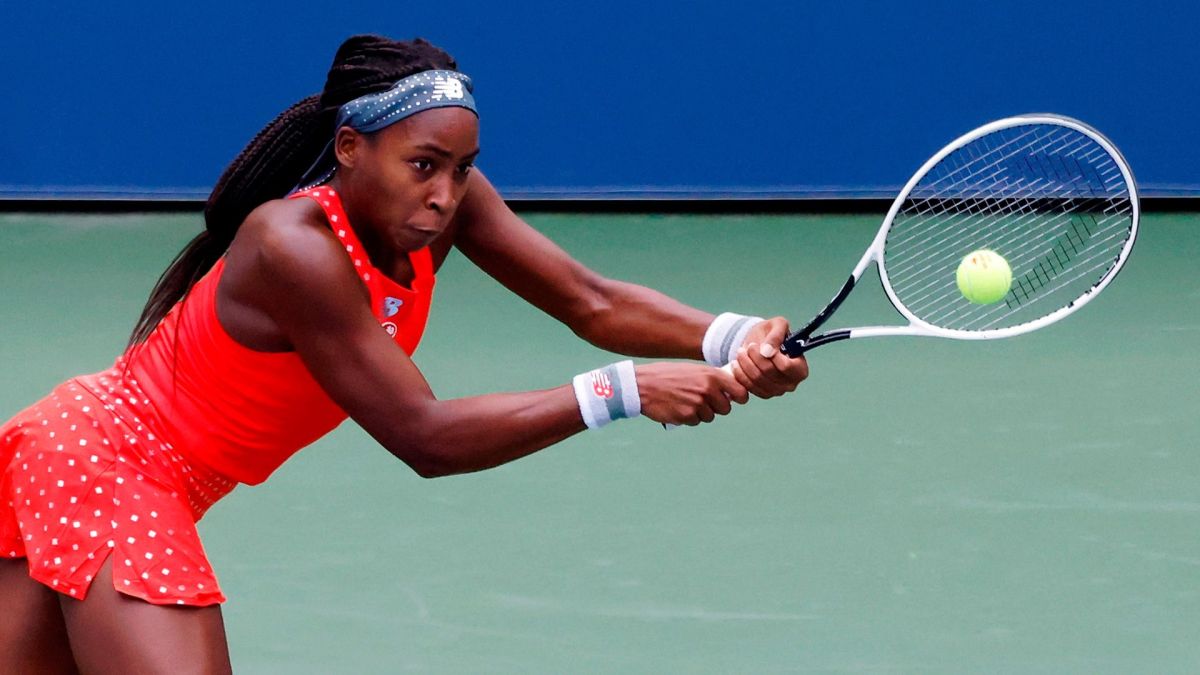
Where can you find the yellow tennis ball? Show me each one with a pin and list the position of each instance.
(984, 276)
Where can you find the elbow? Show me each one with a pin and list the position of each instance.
(431, 469)
(590, 314)
(427, 460)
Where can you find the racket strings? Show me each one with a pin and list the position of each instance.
(972, 317)
(941, 304)
(969, 202)
(1010, 239)
(1017, 214)
(1032, 255)
(999, 312)
(1071, 250)
(1048, 198)
(930, 212)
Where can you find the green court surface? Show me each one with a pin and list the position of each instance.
(918, 506)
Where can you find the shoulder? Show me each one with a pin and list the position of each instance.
(289, 228)
(290, 236)
(288, 243)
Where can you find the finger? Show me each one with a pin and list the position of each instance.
(742, 395)
(741, 376)
(729, 386)
(778, 361)
(752, 371)
(770, 379)
(705, 412)
(797, 369)
(720, 404)
(791, 370)
(718, 401)
(777, 330)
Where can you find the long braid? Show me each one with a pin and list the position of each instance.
(269, 166)
(278, 155)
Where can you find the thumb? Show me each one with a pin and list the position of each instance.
(776, 332)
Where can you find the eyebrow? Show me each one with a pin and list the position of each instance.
(442, 152)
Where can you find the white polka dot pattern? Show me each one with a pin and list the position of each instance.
(421, 91)
(85, 477)
(87, 473)
(431, 89)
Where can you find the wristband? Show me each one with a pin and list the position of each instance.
(607, 394)
(725, 335)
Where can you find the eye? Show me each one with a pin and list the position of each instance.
(422, 164)
(465, 168)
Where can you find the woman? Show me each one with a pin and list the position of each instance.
(265, 333)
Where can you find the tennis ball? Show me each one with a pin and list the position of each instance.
(984, 276)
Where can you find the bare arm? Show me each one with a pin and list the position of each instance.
(613, 315)
(297, 274)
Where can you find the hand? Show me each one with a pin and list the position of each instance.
(762, 368)
(687, 393)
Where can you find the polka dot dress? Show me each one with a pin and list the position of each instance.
(84, 477)
(87, 474)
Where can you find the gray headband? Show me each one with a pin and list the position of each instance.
(411, 95)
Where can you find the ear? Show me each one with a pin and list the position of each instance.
(347, 144)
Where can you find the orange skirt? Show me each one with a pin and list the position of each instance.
(83, 477)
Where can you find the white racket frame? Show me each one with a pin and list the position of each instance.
(916, 326)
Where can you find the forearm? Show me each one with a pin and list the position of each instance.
(481, 432)
(638, 321)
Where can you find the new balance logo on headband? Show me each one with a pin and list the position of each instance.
(448, 88)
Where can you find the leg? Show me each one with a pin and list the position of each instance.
(33, 638)
(115, 633)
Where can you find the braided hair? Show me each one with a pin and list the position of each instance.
(276, 158)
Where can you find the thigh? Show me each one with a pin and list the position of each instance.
(33, 638)
(114, 633)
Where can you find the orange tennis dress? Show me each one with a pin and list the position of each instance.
(124, 462)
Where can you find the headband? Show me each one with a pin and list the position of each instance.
(409, 96)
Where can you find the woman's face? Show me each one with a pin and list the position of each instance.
(405, 181)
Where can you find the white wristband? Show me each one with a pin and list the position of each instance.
(607, 394)
(725, 335)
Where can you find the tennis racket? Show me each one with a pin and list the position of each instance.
(1050, 194)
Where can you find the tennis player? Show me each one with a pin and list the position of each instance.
(299, 305)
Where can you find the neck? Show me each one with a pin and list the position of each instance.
(384, 257)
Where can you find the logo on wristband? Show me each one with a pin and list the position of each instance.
(602, 385)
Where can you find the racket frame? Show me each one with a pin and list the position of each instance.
(803, 340)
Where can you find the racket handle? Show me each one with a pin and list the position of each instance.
(728, 367)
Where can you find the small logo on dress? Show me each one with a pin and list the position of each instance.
(391, 306)
(602, 385)
(390, 328)
(450, 88)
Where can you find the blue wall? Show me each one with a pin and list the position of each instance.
(606, 97)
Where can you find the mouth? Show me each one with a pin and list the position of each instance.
(419, 234)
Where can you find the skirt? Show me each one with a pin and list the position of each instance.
(83, 477)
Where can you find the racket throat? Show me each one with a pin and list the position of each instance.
(799, 342)
(796, 345)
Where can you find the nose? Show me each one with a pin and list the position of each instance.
(440, 197)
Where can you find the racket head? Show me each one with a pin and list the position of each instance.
(1049, 193)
